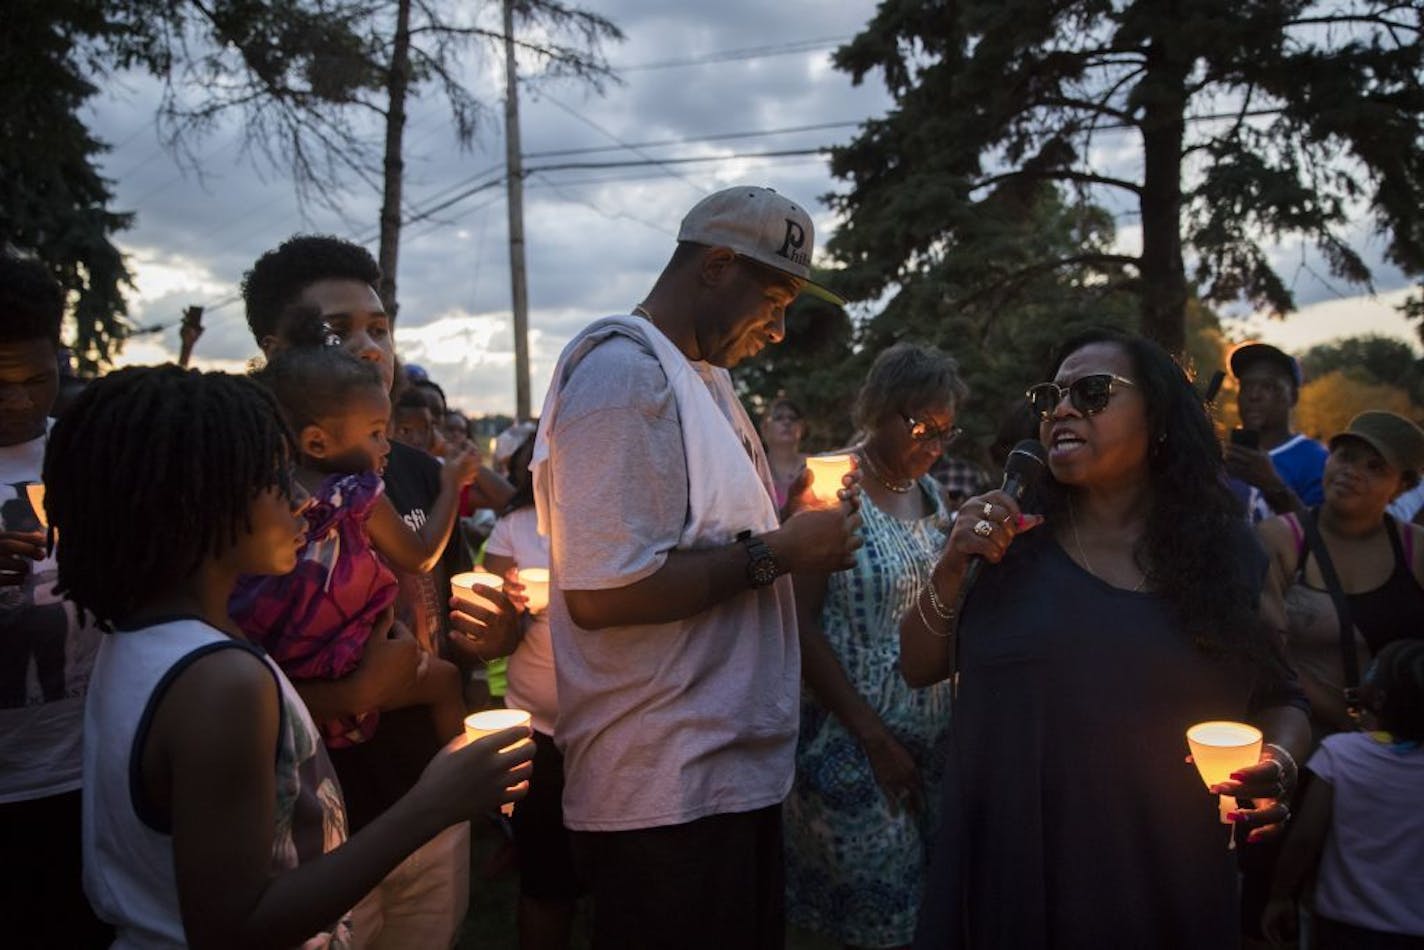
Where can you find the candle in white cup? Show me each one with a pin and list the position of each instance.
(463, 584)
(496, 720)
(35, 492)
(1220, 748)
(536, 587)
(826, 474)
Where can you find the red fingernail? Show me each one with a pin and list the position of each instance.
(1238, 776)
(1235, 816)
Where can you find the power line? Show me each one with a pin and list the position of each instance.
(722, 137)
(736, 55)
(680, 160)
(622, 144)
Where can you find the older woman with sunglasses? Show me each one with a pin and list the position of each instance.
(870, 750)
(1095, 636)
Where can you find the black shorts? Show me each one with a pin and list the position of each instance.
(711, 884)
(546, 865)
(42, 898)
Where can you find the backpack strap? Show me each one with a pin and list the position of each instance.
(1349, 662)
(1298, 536)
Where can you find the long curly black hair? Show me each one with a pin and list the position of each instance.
(151, 471)
(1197, 550)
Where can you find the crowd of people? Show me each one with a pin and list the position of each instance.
(915, 711)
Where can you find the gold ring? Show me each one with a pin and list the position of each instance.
(983, 528)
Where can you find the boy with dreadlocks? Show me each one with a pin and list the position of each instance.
(208, 796)
(316, 621)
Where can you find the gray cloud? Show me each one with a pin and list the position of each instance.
(596, 237)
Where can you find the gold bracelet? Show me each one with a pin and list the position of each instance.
(945, 613)
(920, 607)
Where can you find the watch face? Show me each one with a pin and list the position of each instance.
(762, 571)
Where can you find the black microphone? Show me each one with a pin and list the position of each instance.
(1022, 471)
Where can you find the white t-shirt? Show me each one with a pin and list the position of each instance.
(1372, 871)
(46, 656)
(660, 724)
(532, 685)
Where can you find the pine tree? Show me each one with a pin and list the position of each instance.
(1223, 126)
(54, 204)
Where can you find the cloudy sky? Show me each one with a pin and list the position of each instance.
(693, 74)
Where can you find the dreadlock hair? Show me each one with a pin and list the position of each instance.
(152, 471)
(1396, 682)
(279, 276)
(314, 379)
(1196, 550)
(31, 301)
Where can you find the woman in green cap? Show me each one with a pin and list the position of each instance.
(1378, 565)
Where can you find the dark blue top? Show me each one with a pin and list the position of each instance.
(1071, 818)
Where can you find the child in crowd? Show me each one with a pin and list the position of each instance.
(1360, 827)
(207, 796)
(316, 620)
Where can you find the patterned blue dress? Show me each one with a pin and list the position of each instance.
(855, 872)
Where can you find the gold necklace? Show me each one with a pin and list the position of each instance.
(1083, 555)
(870, 467)
(641, 311)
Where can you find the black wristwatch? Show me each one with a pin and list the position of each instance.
(761, 563)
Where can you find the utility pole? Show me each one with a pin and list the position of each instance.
(514, 183)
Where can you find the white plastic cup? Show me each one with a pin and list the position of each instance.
(826, 474)
(1220, 748)
(489, 721)
(463, 587)
(536, 587)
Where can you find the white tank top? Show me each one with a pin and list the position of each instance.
(128, 851)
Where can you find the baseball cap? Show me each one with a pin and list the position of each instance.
(509, 441)
(1246, 354)
(760, 225)
(1399, 441)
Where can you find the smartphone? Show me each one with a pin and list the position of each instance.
(1249, 438)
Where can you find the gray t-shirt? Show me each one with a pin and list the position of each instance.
(660, 724)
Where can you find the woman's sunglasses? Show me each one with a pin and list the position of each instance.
(1088, 394)
(921, 431)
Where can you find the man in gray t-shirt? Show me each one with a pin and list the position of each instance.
(673, 624)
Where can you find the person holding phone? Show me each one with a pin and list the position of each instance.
(1273, 470)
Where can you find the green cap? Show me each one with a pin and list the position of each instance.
(1399, 441)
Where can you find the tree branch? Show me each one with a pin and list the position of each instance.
(1064, 102)
(1125, 260)
(1058, 174)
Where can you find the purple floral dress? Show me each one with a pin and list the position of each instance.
(316, 620)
